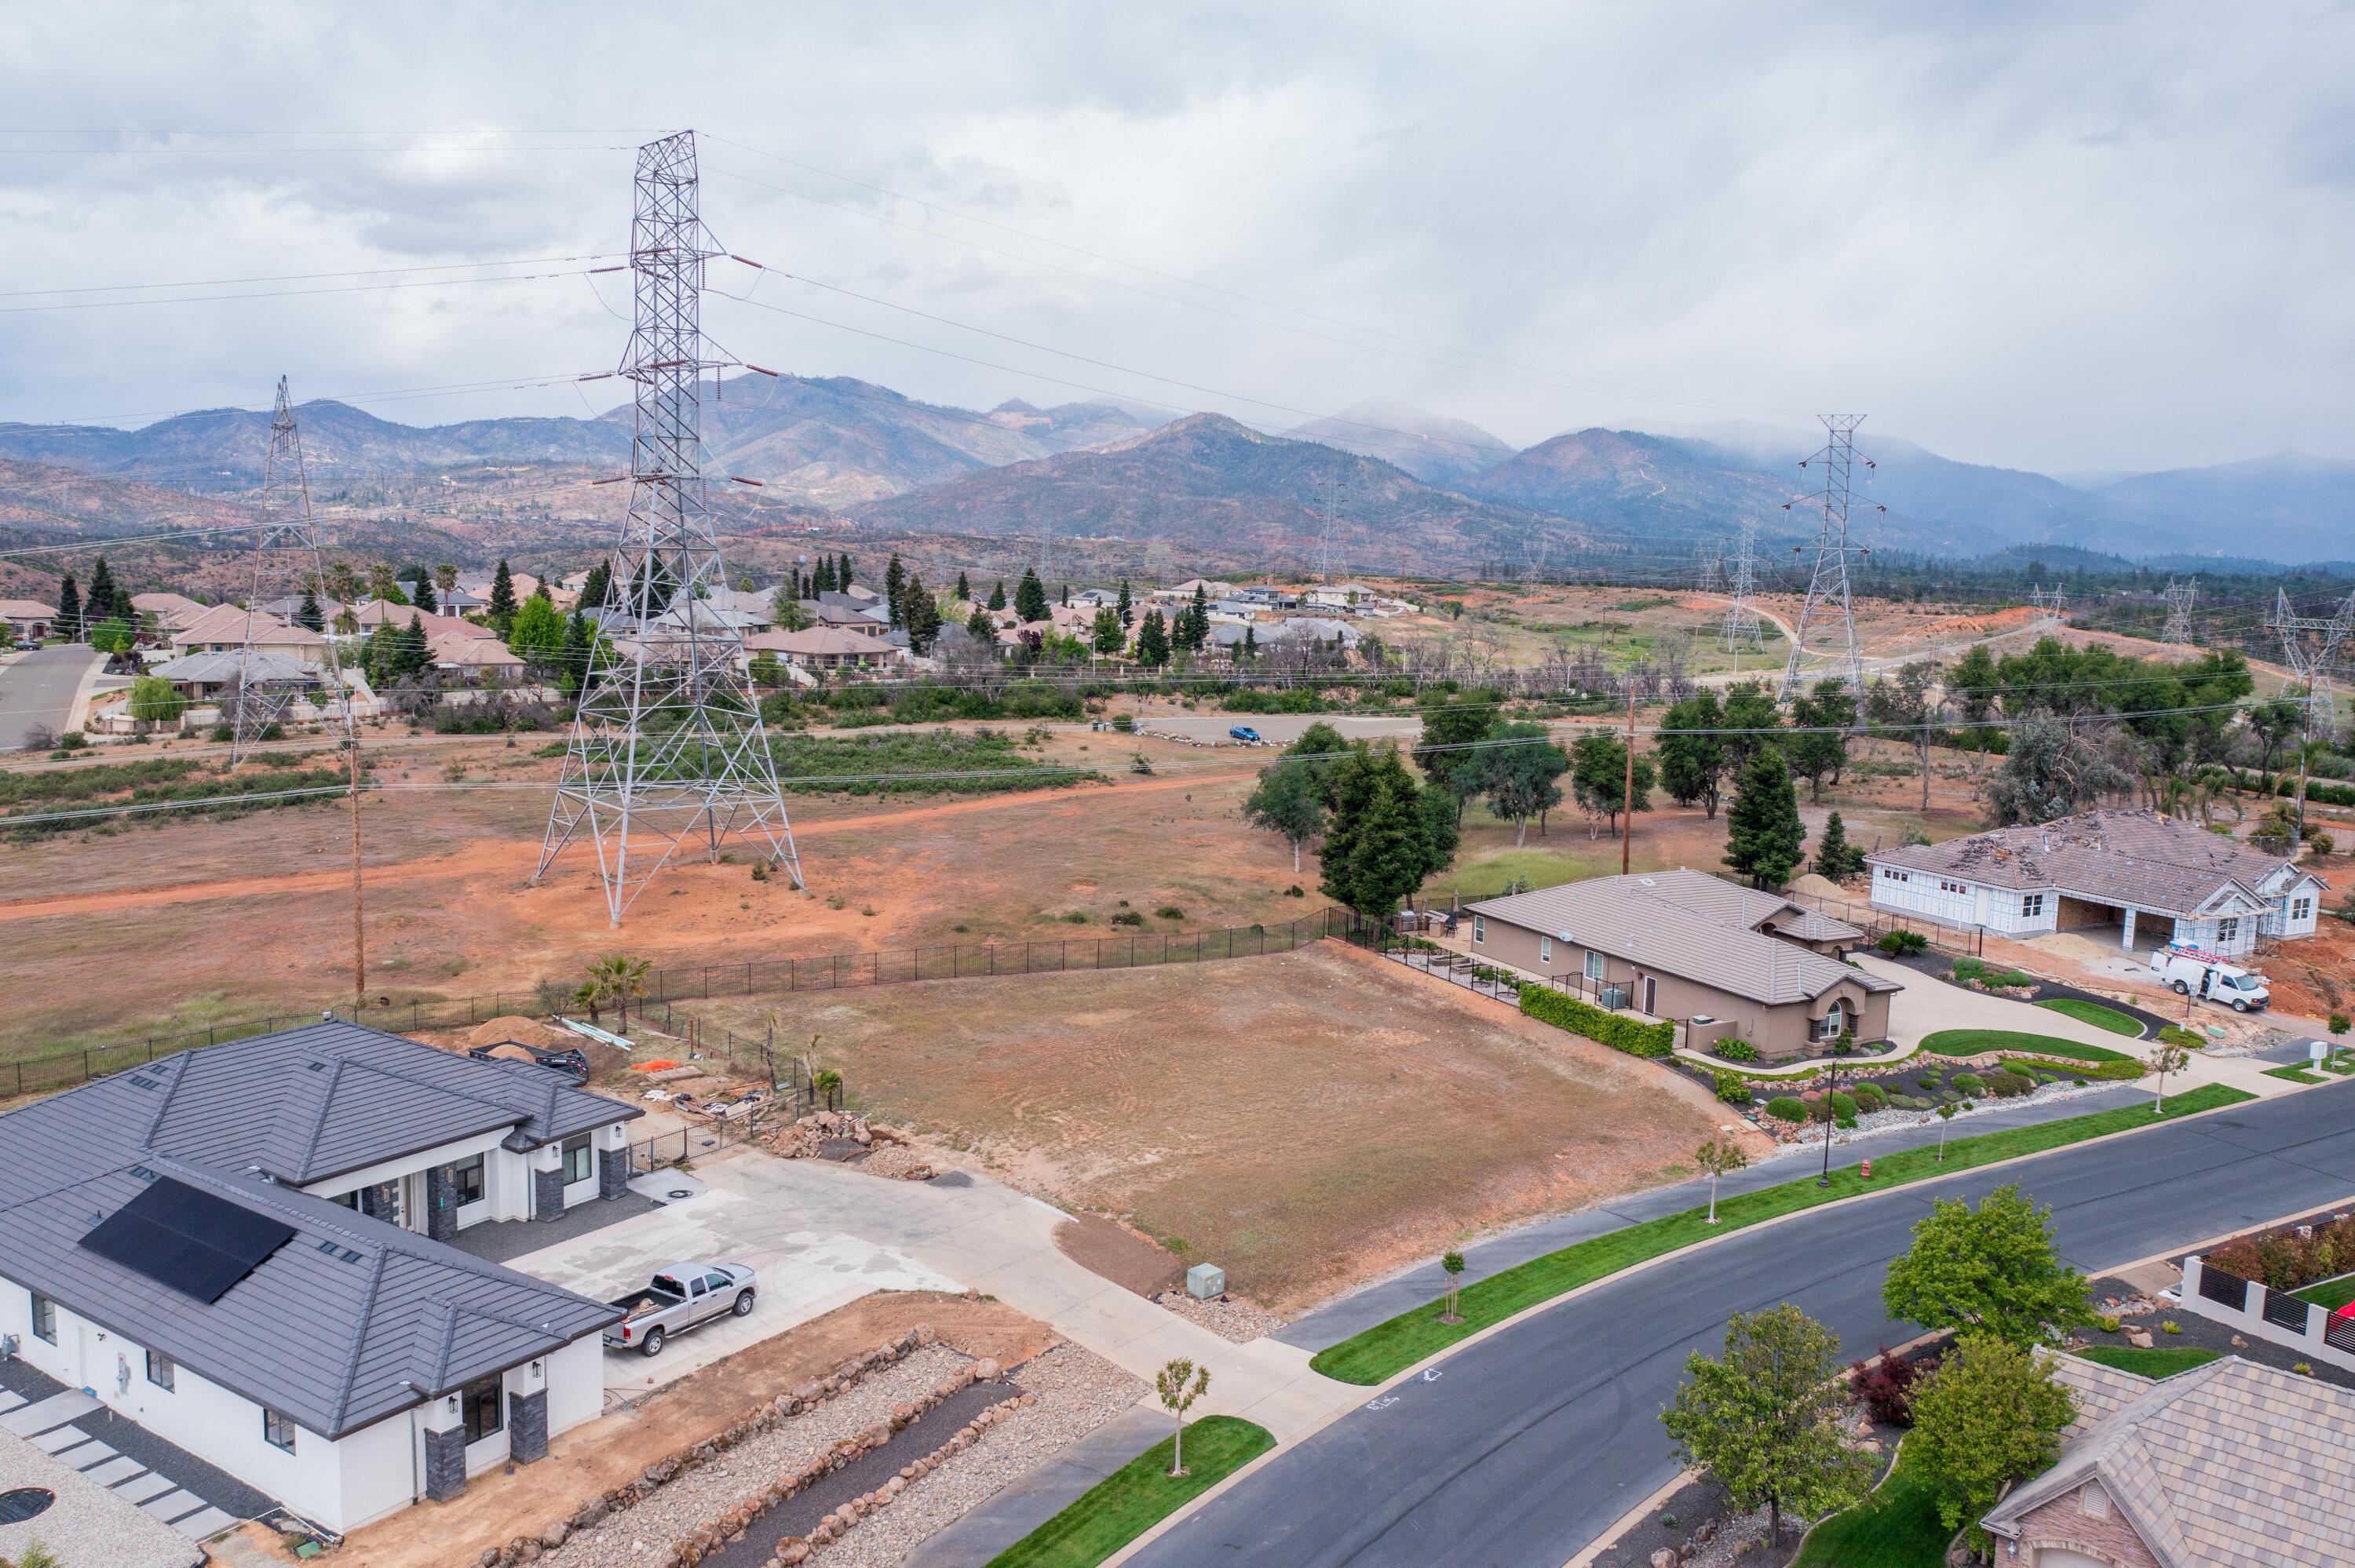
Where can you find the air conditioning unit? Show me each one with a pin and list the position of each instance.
(1612, 996)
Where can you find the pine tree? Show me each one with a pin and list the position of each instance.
(1195, 626)
(1251, 645)
(596, 586)
(424, 599)
(921, 615)
(842, 578)
(895, 578)
(1835, 856)
(1153, 641)
(501, 608)
(69, 609)
(1127, 606)
(1764, 839)
(1067, 595)
(965, 589)
(821, 580)
(980, 627)
(1030, 597)
(578, 641)
(308, 614)
(99, 605)
(997, 595)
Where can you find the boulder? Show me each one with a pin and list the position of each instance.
(985, 1370)
(792, 1551)
(2139, 1339)
(553, 1536)
(1664, 1557)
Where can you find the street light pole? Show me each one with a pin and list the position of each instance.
(1830, 1116)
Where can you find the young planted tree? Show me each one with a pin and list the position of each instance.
(1765, 839)
(2171, 1057)
(1992, 1270)
(1990, 1415)
(1945, 1118)
(1720, 1157)
(1290, 800)
(1180, 1383)
(1453, 1263)
(1599, 773)
(1764, 1422)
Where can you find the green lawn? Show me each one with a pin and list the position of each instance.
(2332, 1294)
(1138, 1496)
(2095, 1014)
(1391, 1346)
(1896, 1527)
(2152, 1363)
(1971, 1042)
(2295, 1074)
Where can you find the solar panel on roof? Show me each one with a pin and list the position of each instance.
(186, 1239)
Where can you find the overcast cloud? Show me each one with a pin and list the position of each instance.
(2066, 237)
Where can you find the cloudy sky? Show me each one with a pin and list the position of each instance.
(2072, 237)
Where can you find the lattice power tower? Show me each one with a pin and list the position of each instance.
(1829, 596)
(2310, 645)
(667, 748)
(1741, 631)
(287, 563)
(2180, 598)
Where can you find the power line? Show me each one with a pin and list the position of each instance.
(306, 277)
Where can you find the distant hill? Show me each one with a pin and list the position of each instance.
(1209, 482)
(1625, 484)
(2241, 506)
(1433, 447)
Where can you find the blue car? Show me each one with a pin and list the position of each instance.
(1244, 733)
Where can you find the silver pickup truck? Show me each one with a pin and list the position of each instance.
(679, 1298)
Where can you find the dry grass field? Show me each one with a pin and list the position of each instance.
(1304, 1120)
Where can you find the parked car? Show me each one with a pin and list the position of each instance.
(2195, 973)
(1246, 733)
(682, 1297)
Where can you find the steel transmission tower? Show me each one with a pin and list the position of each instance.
(286, 563)
(667, 746)
(2310, 645)
(1740, 632)
(2180, 598)
(1828, 594)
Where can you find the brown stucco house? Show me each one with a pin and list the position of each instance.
(2230, 1462)
(1724, 960)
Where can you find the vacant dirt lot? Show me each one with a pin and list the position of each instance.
(1304, 1120)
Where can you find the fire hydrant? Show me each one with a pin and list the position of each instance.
(1866, 1171)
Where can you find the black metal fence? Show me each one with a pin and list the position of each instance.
(1876, 922)
(2224, 1289)
(660, 988)
(2284, 1310)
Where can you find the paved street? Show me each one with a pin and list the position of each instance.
(1521, 1450)
(37, 690)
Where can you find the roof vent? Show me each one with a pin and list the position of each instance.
(144, 1082)
(318, 1067)
(1647, 882)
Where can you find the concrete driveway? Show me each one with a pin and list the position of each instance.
(37, 691)
(822, 1235)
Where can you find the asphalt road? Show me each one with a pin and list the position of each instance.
(37, 692)
(1522, 1450)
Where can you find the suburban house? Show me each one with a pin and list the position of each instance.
(2150, 879)
(822, 648)
(378, 612)
(225, 629)
(170, 609)
(484, 659)
(1726, 960)
(244, 1249)
(202, 677)
(26, 620)
(2230, 1462)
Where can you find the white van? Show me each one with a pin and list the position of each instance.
(2196, 973)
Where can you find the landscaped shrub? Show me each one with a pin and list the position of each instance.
(2004, 1086)
(2125, 1070)
(1886, 1389)
(1896, 943)
(1787, 1108)
(1969, 1084)
(2011, 977)
(2287, 1261)
(1968, 969)
(1584, 1018)
(2338, 1023)
(1733, 1089)
(1843, 1107)
(1735, 1051)
(1870, 1098)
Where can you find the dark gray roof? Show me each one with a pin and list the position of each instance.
(335, 1342)
(311, 1103)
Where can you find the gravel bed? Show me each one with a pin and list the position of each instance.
(1884, 1120)
(1228, 1317)
(691, 1501)
(1078, 1391)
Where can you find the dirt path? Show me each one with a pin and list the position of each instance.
(521, 857)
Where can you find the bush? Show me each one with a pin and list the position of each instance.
(1735, 1051)
(1733, 1089)
(1969, 968)
(1128, 918)
(2338, 1021)
(1787, 1108)
(2012, 978)
(157, 701)
(1870, 1098)
(1886, 1389)
(2286, 1261)
(1898, 943)
(1170, 912)
(2005, 1084)
(1843, 1107)
(1969, 1084)
(1584, 1018)
(1124, 723)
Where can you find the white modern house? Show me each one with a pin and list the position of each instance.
(2151, 879)
(236, 1248)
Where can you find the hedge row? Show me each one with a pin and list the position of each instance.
(2286, 787)
(1586, 1018)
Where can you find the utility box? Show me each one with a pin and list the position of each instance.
(1205, 1280)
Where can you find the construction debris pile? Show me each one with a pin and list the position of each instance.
(837, 1135)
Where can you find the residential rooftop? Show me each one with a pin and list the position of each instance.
(2160, 863)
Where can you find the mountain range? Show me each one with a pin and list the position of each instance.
(1400, 484)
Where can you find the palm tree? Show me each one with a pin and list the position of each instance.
(445, 578)
(343, 583)
(620, 978)
(380, 581)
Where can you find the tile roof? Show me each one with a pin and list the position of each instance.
(2155, 863)
(228, 623)
(334, 1341)
(1684, 923)
(2231, 1462)
(208, 668)
(171, 608)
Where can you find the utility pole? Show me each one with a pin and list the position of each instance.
(1628, 787)
(667, 743)
(287, 559)
(1829, 590)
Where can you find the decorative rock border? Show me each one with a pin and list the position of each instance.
(687, 1552)
(793, 1549)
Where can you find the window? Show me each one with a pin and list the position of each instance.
(2228, 929)
(45, 1319)
(278, 1429)
(160, 1370)
(1479, 927)
(577, 1165)
(2299, 908)
(1593, 965)
(717, 1281)
(2031, 904)
(1835, 1018)
(466, 1181)
(1545, 950)
(484, 1414)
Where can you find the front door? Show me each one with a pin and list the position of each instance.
(1651, 996)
